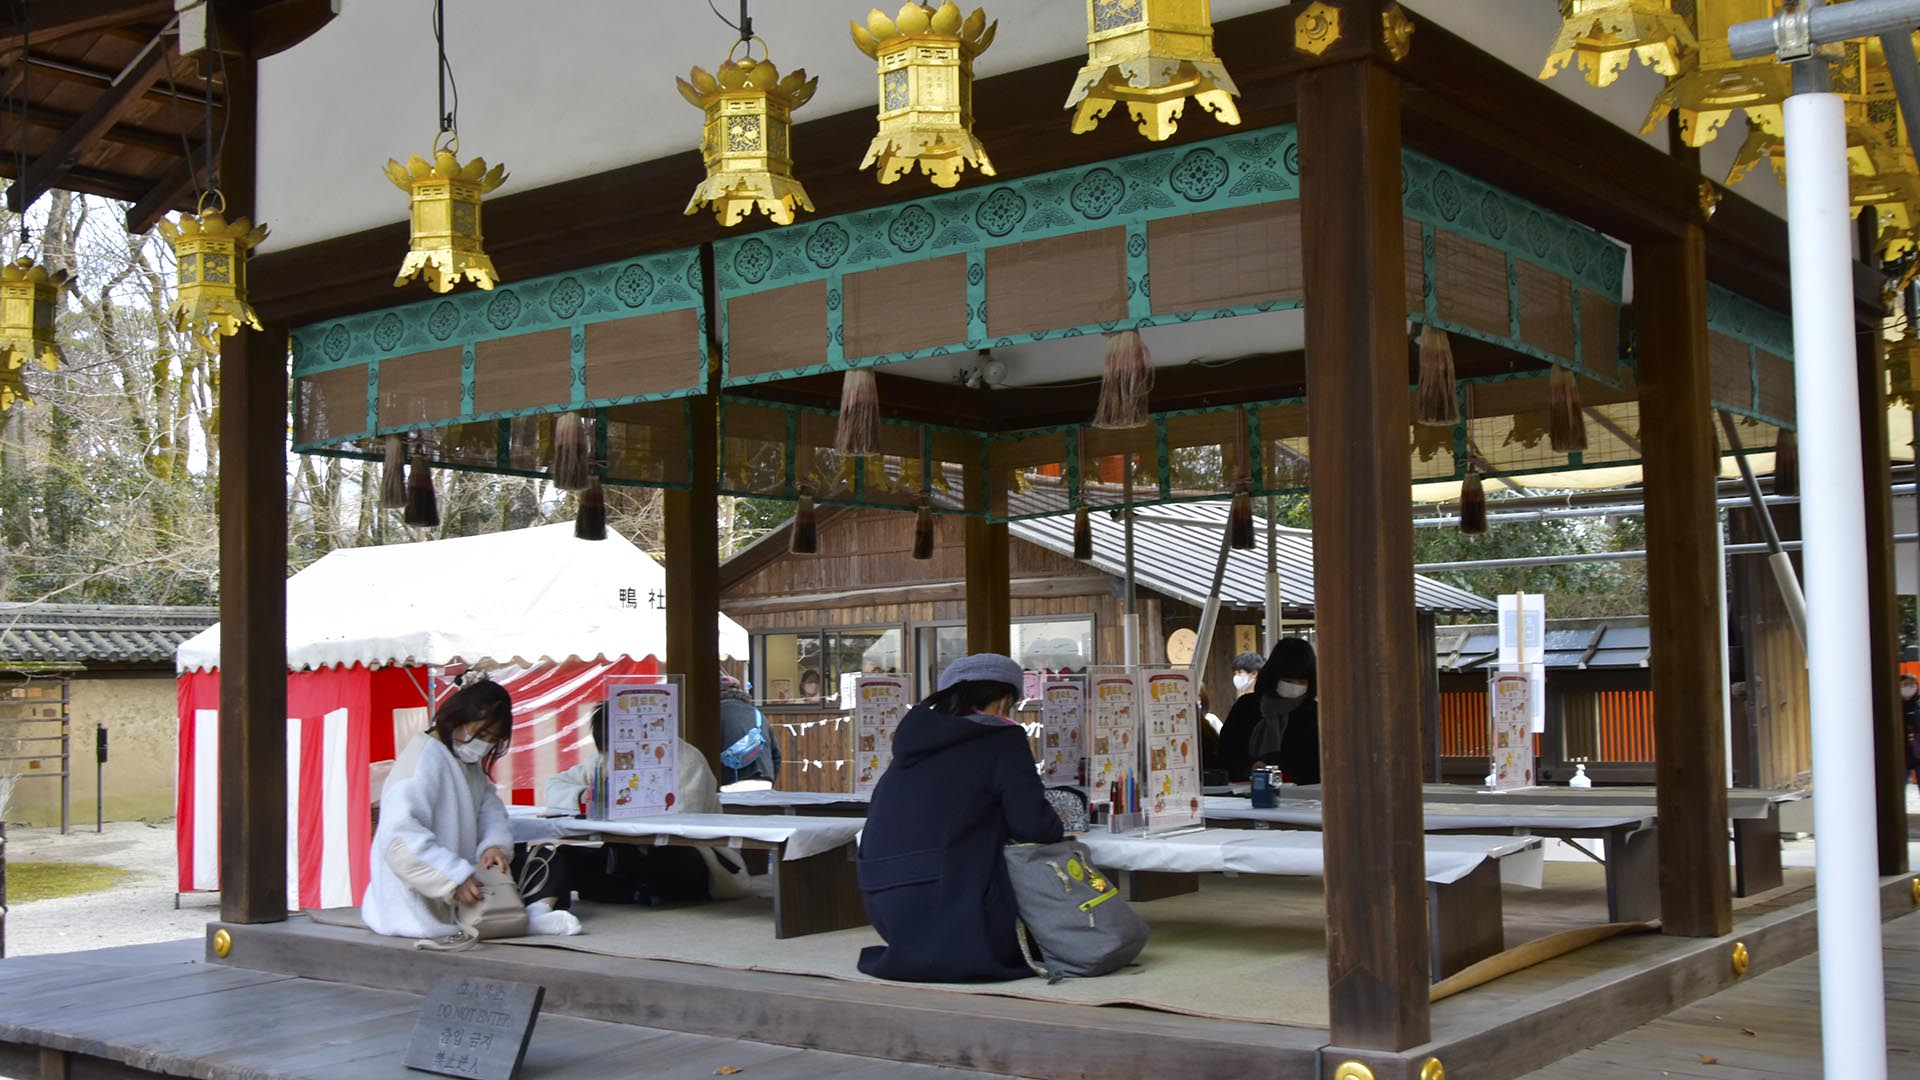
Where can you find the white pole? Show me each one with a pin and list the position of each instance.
(1840, 677)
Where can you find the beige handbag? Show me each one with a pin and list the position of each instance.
(498, 914)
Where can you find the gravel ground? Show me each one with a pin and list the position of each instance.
(135, 913)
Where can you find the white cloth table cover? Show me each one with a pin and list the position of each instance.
(1302, 854)
(803, 836)
(777, 800)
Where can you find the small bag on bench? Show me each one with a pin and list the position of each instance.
(498, 914)
(1072, 911)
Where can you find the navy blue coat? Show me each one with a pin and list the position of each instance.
(931, 870)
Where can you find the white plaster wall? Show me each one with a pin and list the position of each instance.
(564, 88)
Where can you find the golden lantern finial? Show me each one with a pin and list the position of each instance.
(445, 214)
(1605, 36)
(747, 144)
(1152, 55)
(926, 90)
(28, 295)
(211, 254)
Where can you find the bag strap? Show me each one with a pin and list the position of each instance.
(460, 942)
(1027, 950)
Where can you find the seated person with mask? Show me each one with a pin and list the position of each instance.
(1278, 723)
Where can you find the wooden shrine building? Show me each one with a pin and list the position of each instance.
(1394, 169)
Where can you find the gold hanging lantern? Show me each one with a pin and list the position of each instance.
(1151, 55)
(926, 90)
(445, 197)
(747, 141)
(1712, 85)
(28, 296)
(1604, 36)
(211, 254)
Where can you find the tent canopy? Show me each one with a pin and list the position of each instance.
(523, 597)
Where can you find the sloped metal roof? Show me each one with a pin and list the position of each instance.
(1176, 547)
(1624, 642)
(97, 633)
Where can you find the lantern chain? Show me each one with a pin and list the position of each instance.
(449, 116)
(744, 27)
(26, 102)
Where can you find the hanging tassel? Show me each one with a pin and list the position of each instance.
(1126, 384)
(1566, 428)
(1473, 504)
(1240, 520)
(590, 520)
(1082, 534)
(1786, 464)
(923, 532)
(393, 475)
(806, 528)
(572, 452)
(1438, 404)
(423, 504)
(859, 432)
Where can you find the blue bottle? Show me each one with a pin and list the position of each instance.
(1262, 790)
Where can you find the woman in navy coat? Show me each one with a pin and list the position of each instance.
(962, 786)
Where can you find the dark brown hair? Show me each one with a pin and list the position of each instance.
(486, 703)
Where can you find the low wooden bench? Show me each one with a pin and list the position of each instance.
(1464, 875)
(810, 860)
(798, 803)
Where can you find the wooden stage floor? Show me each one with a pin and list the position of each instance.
(300, 1000)
(1765, 1029)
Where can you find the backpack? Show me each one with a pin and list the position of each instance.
(1071, 911)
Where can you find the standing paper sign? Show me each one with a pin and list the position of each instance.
(1173, 750)
(1114, 730)
(1063, 717)
(1523, 647)
(879, 704)
(1511, 740)
(641, 774)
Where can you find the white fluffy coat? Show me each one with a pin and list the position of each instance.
(437, 814)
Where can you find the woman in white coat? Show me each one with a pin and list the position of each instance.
(440, 819)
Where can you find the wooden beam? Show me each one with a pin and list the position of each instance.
(692, 540)
(918, 593)
(1351, 247)
(1883, 611)
(67, 18)
(989, 566)
(158, 142)
(1427, 669)
(253, 578)
(59, 158)
(1680, 468)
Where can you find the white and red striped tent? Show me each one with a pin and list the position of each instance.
(429, 607)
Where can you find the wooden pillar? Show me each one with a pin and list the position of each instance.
(1349, 117)
(1883, 611)
(692, 537)
(253, 571)
(1427, 671)
(989, 574)
(1680, 469)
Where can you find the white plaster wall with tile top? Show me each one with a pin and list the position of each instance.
(569, 88)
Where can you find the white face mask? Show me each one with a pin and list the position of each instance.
(472, 750)
(1908, 692)
(1243, 683)
(1290, 690)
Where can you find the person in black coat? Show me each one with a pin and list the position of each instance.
(740, 720)
(1910, 717)
(1279, 722)
(962, 786)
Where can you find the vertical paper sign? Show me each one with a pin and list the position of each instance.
(1063, 722)
(879, 704)
(1114, 731)
(1511, 740)
(643, 748)
(1172, 800)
